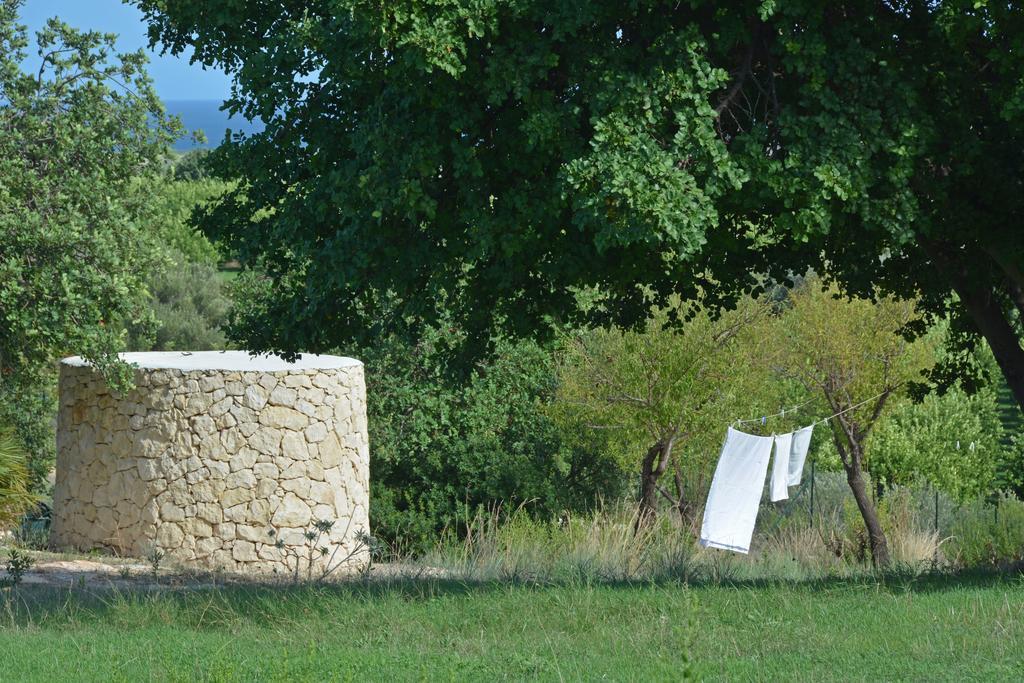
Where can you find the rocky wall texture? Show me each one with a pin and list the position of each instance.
(213, 466)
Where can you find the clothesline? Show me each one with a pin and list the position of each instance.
(778, 414)
(784, 411)
(733, 501)
(855, 405)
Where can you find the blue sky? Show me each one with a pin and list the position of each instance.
(174, 77)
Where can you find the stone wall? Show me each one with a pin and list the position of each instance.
(203, 464)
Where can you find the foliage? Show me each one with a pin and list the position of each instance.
(445, 445)
(953, 440)
(316, 555)
(168, 212)
(189, 307)
(1010, 468)
(17, 564)
(79, 137)
(658, 399)
(852, 355)
(192, 165)
(31, 410)
(15, 497)
(74, 139)
(987, 535)
(506, 155)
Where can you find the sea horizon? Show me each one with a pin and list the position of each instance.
(205, 115)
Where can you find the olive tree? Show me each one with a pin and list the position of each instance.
(660, 398)
(852, 354)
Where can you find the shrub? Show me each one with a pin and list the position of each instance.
(989, 535)
(951, 440)
(168, 212)
(445, 446)
(15, 497)
(189, 306)
(192, 165)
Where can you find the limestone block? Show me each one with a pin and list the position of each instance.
(283, 418)
(207, 546)
(316, 432)
(169, 536)
(266, 440)
(244, 551)
(293, 446)
(293, 512)
(236, 496)
(283, 396)
(169, 512)
(256, 397)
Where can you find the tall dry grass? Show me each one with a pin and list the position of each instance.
(505, 545)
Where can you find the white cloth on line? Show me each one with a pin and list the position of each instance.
(735, 495)
(798, 454)
(780, 467)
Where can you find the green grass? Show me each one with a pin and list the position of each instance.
(930, 628)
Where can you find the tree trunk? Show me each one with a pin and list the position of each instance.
(683, 506)
(876, 537)
(979, 300)
(851, 454)
(654, 464)
(991, 320)
(1014, 276)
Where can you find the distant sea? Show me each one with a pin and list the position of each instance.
(205, 115)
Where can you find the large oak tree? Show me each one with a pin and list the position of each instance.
(494, 158)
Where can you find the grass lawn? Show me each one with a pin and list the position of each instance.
(940, 628)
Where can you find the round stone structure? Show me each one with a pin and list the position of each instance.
(219, 460)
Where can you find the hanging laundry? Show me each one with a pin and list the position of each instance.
(735, 495)
(780, 467)
(798, 454)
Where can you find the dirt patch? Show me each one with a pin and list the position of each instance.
(125, 573)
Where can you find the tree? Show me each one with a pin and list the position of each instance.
(952, 440)
(660, 398)
(504, 156)
(852, 355)
(168, 211)
(74, 136)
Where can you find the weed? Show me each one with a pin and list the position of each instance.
(17, 564)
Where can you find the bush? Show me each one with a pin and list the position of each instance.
(189, 307)
(192, 165)
(168, 216)
(989, 535)
(15, 497)
(443, 447)
(951, 440)
(30, 410)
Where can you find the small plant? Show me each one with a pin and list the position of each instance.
(18, 563)
(319, 555)
(124, 571)
(155, 557)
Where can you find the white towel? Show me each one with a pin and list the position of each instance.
(780, 467)
(798, 454)
(735, 495)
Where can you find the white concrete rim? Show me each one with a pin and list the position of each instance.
(228, 361)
